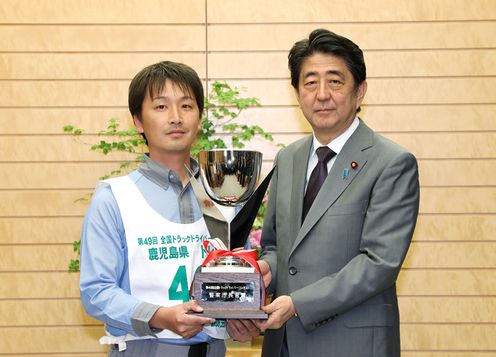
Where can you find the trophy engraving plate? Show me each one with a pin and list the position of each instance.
(227, 292)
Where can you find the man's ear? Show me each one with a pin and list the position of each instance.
(138, 124)
(297, 95)
(360, 92)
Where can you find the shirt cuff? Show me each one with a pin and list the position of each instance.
(141, 318)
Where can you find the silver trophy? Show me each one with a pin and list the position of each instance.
(229, 287)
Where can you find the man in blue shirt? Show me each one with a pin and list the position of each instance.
(142, 235)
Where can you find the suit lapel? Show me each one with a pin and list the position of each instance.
(339, 178)
(300, 162)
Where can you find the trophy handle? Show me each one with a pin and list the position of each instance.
(236, 231)
(241, 224)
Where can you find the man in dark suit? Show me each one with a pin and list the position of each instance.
(342, 209)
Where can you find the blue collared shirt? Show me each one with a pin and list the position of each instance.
(104, 278)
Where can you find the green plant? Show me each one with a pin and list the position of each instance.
(223, 105)
(74, 263)
(129, 141)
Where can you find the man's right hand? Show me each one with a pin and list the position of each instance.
(177, 319)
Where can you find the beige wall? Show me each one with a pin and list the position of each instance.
(432, 88)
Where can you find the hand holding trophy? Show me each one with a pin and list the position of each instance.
(229, 285)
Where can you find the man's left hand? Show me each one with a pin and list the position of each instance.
(280, 311)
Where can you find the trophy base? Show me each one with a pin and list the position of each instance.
(229, 293)
(232, 314)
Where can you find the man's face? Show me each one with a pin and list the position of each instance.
(170, 120)
(327, 95)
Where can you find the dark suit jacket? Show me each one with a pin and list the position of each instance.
(340, 266)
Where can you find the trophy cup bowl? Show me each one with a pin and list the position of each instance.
(227, 287)
(230, 176)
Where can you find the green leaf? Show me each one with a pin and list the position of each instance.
(76, 246)
(230, 127)
(73, 130)
(73, 266)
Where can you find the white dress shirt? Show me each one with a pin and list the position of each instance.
(336, 145)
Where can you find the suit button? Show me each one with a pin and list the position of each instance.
(293, 271)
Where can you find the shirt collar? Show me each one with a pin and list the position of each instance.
(337, 144)
(161, 175)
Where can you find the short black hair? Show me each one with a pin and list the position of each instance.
(153, 79)
(327, 42)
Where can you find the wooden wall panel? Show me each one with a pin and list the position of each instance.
(447, 310)
(35, 258)
(52, 120)
(44, 313)
(377, 36)
(451, 255)
(41, 230)
(473, 172)
(431, 117)
(99, 38)
(458, 200)
(51, 93)
(447, 282)
(52, 339)
(460, 145)
(54, 148)
(284, 11)
(39, 285)
(95, 11)
(431, 90)
(476, 337)
(84, 66)
(41, 203)
(54, 175)
(455, 227)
